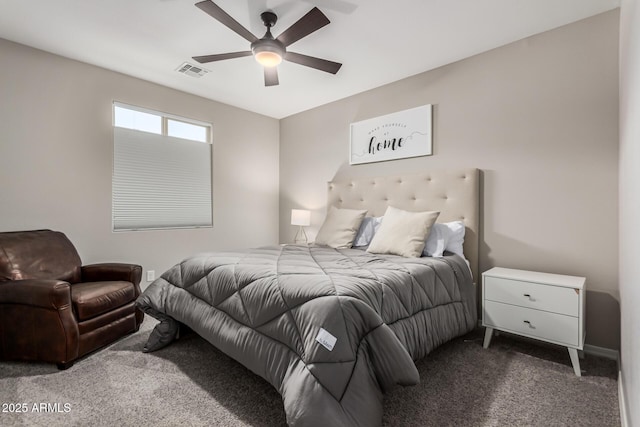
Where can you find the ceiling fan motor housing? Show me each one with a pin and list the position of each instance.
(268, 45)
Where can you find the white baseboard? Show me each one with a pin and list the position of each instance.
(607, 353)
(624, 420)
(613, 355)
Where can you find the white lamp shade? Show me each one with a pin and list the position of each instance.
(300, 217)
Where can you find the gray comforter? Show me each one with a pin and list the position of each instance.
(268, 308)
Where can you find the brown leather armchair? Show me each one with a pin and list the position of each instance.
(54, 309)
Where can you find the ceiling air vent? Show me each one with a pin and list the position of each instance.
(191, 70)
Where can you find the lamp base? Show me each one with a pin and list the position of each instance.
(301, 237)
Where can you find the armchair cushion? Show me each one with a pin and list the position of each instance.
(91, 299)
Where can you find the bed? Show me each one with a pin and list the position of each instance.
(332, 329)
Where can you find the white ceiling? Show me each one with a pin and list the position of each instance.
(377, 41)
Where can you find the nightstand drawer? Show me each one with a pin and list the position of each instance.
(537, 296)
(553, 327)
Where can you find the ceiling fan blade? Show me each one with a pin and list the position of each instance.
(271, 76)
(221, 56)
(216, 12)
(312, 21)
(313, 62)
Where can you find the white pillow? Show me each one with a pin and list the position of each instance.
(402, 232)
(436, 241)
(367, 230)
(456, 237)
(340, 227)
(447, 236)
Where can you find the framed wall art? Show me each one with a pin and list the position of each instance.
(394, 136)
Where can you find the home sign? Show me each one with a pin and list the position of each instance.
(394, 136)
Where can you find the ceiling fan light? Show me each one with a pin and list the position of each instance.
(267, 51)
(268, 59)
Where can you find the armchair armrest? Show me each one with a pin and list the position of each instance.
(49, 294)
(37, 321)
(112, 271)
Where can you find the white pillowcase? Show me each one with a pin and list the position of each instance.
(367, 230)
(447, 236)
(456, 238)
(436, 241)
(402, 232)
(340, 227)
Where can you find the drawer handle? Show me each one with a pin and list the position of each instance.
(529, 296)
(529, 323)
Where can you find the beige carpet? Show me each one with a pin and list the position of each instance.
(515, 382)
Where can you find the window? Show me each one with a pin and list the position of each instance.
(137, 120)
(186, 130)
(161, 170)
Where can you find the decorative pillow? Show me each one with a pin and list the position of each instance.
(402, 232)
(447, 236)
(340, 228)
(367, 230)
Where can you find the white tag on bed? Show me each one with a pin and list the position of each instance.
(326, 339)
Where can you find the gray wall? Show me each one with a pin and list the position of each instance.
(539, 117)
(630, 206)
(56, 145)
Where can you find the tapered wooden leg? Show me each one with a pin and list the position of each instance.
(488, 333)
(575, 361)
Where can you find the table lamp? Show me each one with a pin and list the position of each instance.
(301, 218)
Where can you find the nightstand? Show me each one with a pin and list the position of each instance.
(547, 307)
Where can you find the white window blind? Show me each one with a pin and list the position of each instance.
(160, 182)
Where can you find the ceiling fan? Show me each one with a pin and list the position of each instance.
(270, 51)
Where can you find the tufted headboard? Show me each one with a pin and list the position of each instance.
(456, 194)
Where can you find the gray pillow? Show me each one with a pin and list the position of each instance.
(164, 333)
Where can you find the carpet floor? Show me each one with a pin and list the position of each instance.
(515, 382)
